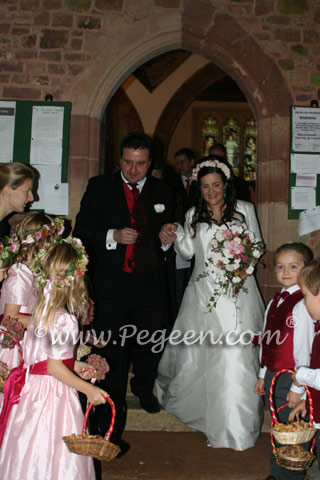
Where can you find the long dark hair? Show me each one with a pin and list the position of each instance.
(202, 213)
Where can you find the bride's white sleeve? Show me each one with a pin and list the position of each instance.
(251, 220)
(183, 245)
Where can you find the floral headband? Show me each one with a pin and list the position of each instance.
(211, 163)
(9, 249)
(65, 277)
(57, 226)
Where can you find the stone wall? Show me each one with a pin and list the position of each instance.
(82, 51)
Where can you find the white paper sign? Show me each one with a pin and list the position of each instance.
(303, 198)
(7, 119)
(305, 129)
(56, 198)
(47, 122)
(305, 163)
(309, 221)
(306, 180)
(49, 174)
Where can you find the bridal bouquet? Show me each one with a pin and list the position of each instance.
(234, 253)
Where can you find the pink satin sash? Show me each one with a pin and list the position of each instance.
(14, 385)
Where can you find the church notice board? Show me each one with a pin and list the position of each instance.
(37, 133)
(304, 178)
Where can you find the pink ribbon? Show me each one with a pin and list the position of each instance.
(14, 384)
(12, 390)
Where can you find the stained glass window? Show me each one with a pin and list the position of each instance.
(209, 134)
(230, 134)
(250, 136)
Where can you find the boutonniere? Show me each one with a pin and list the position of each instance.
(159, 207)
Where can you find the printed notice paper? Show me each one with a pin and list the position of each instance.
(305, 129)
(46, 135)
(7, 119)
(303, 198)
(309, 221)
(305, 163)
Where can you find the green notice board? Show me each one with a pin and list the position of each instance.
(304, 176)
(23, 126)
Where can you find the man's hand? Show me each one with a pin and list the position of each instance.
(168, 233)
(125, 236)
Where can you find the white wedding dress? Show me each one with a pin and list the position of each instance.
(207, 385)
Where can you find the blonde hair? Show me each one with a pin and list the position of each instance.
(31, 222)
(309, 276)
(73, 298)
(15, 174)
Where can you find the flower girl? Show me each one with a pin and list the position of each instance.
(18, 298)
(49, 406)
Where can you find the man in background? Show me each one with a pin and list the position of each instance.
(241, 186)
(184, 162)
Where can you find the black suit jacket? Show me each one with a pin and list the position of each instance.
(104, 207)
(183, 201)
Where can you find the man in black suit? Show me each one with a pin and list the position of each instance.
(241, 185)
(185, 160)
(119, 223)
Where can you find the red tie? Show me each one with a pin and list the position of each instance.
(135, 191)
(188, 186)
(129, 262)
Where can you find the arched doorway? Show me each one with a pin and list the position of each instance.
(227, 45)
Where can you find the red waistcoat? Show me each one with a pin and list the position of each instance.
(277, 343)
(315, 363)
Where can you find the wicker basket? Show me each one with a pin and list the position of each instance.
(94, 445)
(294, 438)
(291, 438)
(4, 377)
(294, 463)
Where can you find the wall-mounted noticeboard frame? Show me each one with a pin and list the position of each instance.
(37, 133)
(304, 176)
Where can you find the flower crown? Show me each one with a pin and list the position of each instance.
(31, 236)
(211, 163)
(65, 277)
(10, 248)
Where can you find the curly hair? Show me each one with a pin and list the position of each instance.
(202, 213)
(31, 222)
(73, 298)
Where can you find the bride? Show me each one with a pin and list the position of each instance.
(209, 383)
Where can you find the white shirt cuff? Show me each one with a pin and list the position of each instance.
(110, 242)
(165, 247)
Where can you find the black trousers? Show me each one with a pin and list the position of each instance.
(281, 388)
(134, 323)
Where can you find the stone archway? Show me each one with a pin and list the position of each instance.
(222, 40)
(182, 99)
(127, 112)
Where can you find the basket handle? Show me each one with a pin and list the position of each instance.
(274, 417)
(113, 416)
(2, 331)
